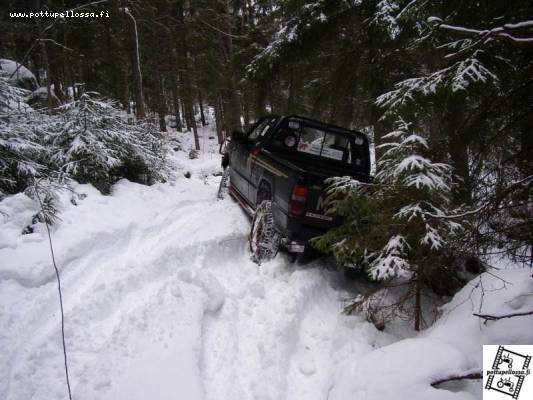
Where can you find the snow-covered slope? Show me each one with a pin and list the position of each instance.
(162, 302)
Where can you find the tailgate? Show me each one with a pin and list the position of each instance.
(315, 213)
(315, 210)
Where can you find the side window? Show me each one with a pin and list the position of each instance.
(286, 138)
(337, 147)
(311, 140)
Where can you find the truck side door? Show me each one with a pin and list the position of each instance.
(240, 159)
(238, 167)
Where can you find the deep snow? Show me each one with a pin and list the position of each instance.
(163, 302)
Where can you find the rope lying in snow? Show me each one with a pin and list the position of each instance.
(58, 288)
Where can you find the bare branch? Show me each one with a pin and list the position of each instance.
(472, 374)
(221, 31)
(491, 203)
(46, 29)
(488, 317)
(56, 43)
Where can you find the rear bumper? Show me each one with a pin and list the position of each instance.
(293, 246)
(298, 230)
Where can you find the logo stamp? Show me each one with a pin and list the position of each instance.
(506, 372)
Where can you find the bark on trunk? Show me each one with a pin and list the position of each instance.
(246, 110)
(200, 103)
(186, 73)
(161, 101)
(175, 101)
(418, 305)
(125, 92)
(219, 120)
(133, 38)
(230, 95)
(290, 97)
(44, 56)
(458, 148)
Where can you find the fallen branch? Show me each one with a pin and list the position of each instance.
(487, 317)
(472, 374)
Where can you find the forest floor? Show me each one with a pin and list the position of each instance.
(162, 302)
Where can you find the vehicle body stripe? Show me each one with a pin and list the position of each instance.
(262, 163)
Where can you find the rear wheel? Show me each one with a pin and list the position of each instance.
(264, 238)
(263, 193)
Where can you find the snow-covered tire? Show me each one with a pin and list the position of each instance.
(224, 184)
(264, 238)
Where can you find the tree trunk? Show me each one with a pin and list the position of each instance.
(44, 55)
(185, 73)
(175, 100)
(185, 119)
(459, 156)
(124, 92)
(458, 144)
(260, 100)
(418, 304)
(161, 101)
(46, 80)
(219, 119)
(135, 64)
(246, 109)
(56, 77)
(202, 115)
(290, 97)
(230, 95)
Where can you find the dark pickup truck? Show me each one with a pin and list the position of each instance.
(277, 171)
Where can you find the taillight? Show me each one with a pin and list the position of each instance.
(297, 201)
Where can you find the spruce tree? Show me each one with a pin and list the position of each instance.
(93, 143)
(402, 225)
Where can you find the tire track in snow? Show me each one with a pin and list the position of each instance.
(80, 279)
(169, 306)
(275, 336)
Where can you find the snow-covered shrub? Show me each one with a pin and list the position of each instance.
(22, 155)
(93, 143)
(401, 225)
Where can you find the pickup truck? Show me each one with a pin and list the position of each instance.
(277, 171)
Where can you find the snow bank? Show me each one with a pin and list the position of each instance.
(21, 77)
(452, 346)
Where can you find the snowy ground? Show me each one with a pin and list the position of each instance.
(162, 302)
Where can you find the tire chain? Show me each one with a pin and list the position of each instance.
(266, 246)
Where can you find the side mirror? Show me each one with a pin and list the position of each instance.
(238, 136)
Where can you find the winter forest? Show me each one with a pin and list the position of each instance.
(124, 274)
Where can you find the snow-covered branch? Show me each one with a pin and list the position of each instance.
(502, 31)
